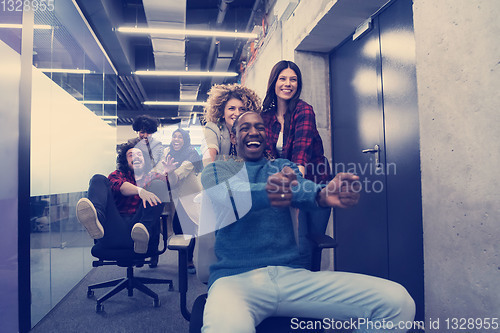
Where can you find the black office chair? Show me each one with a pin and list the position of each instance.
(195, 317)
(129, 259)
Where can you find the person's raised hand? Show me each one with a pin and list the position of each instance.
(148, 197)
(279, 185)
(342, 191)
(169, 165)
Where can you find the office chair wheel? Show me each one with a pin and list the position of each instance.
(90, 293)
(156, 303)
(99, 308)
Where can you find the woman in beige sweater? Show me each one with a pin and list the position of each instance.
(184, 185)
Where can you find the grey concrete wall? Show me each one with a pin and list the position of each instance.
(257, 74)
(458, 75)
(316, 91)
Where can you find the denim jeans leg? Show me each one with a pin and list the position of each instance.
(150, 215)
(344, 296)
(238, 303)
(116, 230)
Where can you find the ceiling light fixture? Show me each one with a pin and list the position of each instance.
(172, 103)
(100, 102)
(183, 73)
(66, 70)
(185, 32)
(20, 26)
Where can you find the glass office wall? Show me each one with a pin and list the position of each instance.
(73, 136)
(10, 76)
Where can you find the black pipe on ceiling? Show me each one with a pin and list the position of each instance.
(239, 47)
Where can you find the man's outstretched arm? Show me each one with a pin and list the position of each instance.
(341, 192)
(129, 189)
(284, 187)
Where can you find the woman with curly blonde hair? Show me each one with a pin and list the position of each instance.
(225, 103)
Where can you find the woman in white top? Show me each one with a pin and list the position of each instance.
(225, 103)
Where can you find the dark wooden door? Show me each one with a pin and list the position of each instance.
(374, 109)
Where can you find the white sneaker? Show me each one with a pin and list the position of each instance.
(140, 236)
(87, 215)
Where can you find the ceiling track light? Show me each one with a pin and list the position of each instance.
(173, 103)
(99, 102)
(20, 26)
(183, 73)
(186, 32)
(66, 70)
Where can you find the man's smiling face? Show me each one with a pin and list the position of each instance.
(135, 160)
(250, 139)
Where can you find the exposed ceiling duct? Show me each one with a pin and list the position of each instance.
(169, 51)
(239, 47)
(130, 53)
(226, 53)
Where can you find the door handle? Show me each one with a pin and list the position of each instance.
(375, 150)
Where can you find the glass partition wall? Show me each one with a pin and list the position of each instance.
(73, 136)
(10, 78)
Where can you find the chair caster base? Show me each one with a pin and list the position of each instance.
(90, 293)
(99, 308)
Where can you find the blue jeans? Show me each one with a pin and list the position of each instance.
(117, 227)
(240, 302)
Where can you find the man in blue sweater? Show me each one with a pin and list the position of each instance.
(259, 272)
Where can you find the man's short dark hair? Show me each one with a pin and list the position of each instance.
(233, 129)
(267, 155)
(121, 159)
(146, 124)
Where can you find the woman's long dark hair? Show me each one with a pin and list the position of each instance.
(270, 101)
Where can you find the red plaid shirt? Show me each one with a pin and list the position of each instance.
(128, 205)
(303, 145)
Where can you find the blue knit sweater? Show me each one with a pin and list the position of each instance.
(257, 235)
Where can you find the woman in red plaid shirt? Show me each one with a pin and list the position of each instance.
(292, 134)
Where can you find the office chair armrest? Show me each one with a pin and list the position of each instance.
(181, 244)
(322, 241)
